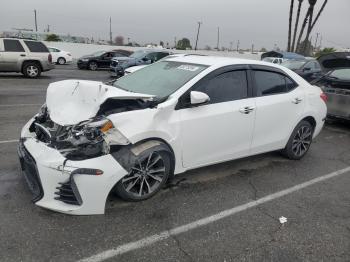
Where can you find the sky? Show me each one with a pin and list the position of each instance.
(263, 23)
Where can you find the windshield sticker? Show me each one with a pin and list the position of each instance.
(188, 68)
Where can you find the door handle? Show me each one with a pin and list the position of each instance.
(22, 55)
(246, 110)
(297, 100)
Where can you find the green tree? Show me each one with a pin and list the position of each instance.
(263, 49)
(52, 38)
(325, 51)
(183, 44)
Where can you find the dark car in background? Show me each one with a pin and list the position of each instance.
(100, 59)
(336, 84)
(140, 57)
(309, 69)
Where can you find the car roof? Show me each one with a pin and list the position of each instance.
(218, 61)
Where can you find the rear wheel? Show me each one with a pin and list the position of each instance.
(61, 61)
(299, 142)
(148, 175)
(93, 66)
(31, 70)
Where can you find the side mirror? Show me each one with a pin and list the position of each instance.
(199, 98)
(307, 69)
(145, 59)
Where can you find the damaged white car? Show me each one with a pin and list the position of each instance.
(133, 135)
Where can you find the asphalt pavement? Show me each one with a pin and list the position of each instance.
(318, 215)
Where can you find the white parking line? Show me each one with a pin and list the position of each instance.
(12, 105)
(8, 141)
(207, 220)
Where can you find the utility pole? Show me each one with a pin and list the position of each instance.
(252, 48)
(199, 27)
(315, 45)
(237, 46)
(110, 30)
(217, 46)
(231, 45)
(36, 23)
(175, 42)
(321, 42)
(48, 28)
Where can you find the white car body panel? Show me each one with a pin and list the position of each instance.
(72, 101)
(198, 136)
(133, 69)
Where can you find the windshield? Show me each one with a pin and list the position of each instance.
(293, 64)
(98, 53)
(341, 74)
(160, 79)
(138, 54)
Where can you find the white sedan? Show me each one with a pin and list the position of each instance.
(59, 56)
(130, 137)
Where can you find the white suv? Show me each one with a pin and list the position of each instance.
(28, 57)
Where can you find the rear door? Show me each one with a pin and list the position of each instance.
(222, 129)
(279, 107)
(13, 53)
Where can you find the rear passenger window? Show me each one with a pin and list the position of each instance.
(226, 87)
(269, 83)
(36, 47)
(12, 45)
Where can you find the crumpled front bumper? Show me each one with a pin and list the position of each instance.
(46, 170)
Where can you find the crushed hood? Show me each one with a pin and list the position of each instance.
(72, 101)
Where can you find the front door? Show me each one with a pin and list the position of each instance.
(222, 129)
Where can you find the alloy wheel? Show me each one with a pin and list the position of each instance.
(302, 141)
(32, 71)
(146, 176)
(93, 66)
(61, 61)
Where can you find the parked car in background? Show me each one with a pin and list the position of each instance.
(99, 59)
(26, 56)
(273, 60)
(133, 69)
(336, 84)
(308, 69)
(59, 56)
(141, 57)
(90, 139)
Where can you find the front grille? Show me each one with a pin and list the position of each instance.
(30, 172)
(68, 193)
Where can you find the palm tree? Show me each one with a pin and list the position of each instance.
(302, 30)
(312, 4)
(290, 24)
(319, 13)
(296, 25)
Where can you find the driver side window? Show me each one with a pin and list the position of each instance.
(228, 86)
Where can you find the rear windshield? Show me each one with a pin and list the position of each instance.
(341, 74)
(36, 47)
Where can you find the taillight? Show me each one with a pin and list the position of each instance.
(50, 58)
(324, 97)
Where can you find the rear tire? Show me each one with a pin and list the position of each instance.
(61, 61)
(299, 142)
(31, 70)
(148, 175)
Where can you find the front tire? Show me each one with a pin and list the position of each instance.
(61, 61)
(148, 175)
(93, 66)
(31, 70)
(299, 142)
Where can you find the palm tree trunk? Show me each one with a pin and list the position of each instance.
(292, 49)
(290, 24)
(319, 13)
(302, 30)
(308, 32)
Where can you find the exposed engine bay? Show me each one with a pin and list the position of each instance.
(87, 139)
